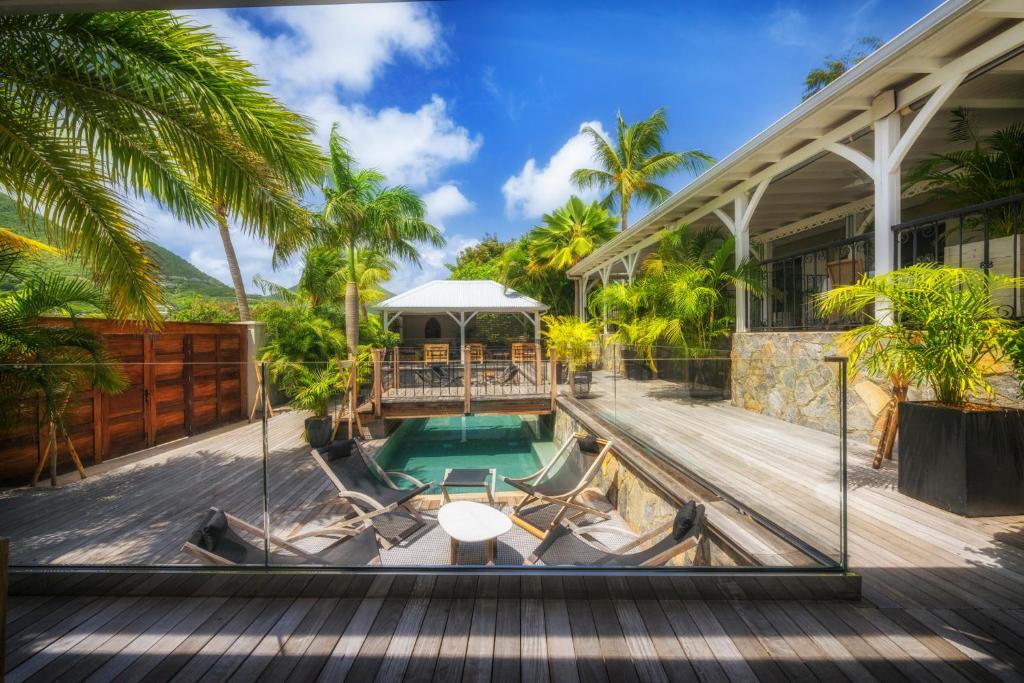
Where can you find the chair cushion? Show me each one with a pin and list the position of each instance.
(211, 530)
(340, 449)
(684, 520)
(588, 444)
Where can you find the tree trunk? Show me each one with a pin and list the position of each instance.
(352, 316)
(624, 215)
(236, 273)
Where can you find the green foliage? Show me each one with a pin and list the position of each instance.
(196, 308)
(834, 67)
(572, 339)
(629, 165)
(95, 108)
(480, 261)
(40, 360)
(991, 168)
(944, 332)
(683, 297)
(516, 270)
(1012, 343)
(568, 234)
(315, 386)
(298, 341)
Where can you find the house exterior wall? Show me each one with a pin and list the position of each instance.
(782, 374)
(413, 327)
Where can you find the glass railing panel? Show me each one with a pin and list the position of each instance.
(157, 454)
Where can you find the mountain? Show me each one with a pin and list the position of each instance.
(177, 276)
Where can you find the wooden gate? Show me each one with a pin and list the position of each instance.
(184, 379)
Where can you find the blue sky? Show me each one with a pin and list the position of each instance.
(478, 105)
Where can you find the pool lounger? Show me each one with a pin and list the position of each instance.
(561, 483)
(217, 540)
(370, 490)
(567, 545)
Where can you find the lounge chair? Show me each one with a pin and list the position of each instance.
(564, 545)
(370, 490)
(507, 376)
(217, 540)
(445, 377)
(556, 489)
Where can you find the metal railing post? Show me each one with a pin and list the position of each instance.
(467, 380)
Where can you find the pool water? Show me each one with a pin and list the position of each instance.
(514, 445)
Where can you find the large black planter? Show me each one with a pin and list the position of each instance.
(581, 383)
(970, 462)
(318, 430)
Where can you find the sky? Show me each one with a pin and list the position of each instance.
(478, 106)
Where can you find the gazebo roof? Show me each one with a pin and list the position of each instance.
(453, 296)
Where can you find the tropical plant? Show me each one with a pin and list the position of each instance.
(992, 167)
(196, 308)
(834, 67)
(1012, 344)
(516, 270)
(569, 233)
(683, 296)
(630, 165)
(572, 340)
(299, 340)
(44, 361)
(95, 108)
(479, 261)
(361, 213)
(939, 327)
(314, 387)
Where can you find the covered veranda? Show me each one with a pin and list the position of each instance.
(441, 312)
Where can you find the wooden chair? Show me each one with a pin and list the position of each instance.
(564, 545)
(216, 540)
(556, 488)
(524, 352)
(476, 352)
(435, 353)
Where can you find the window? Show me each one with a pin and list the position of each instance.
(432, 330)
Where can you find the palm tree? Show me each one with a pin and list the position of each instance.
(97, 108)
(630, 166)
(46, 362)
(569, 233)
(362, 214)
(834, 67)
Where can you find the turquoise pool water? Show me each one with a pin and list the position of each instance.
(515, 446)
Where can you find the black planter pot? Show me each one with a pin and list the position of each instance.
(970, 462)
(318, 430)
(581, 383)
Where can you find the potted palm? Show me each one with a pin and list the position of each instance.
(314, 388)
(574, 341)
(941, 329)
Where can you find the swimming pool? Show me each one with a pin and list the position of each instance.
(514, 445)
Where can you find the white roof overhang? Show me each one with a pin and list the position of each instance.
(808, 183)
(460, 296)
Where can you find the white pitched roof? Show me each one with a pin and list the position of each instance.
(439, 296)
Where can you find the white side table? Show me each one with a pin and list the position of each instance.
(468, 522)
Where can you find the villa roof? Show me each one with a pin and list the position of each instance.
(441, 296)
(976, 37)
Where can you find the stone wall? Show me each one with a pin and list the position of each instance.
(783, 374)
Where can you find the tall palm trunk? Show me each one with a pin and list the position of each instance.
(236, 273)
(624, 200)
(352, 303)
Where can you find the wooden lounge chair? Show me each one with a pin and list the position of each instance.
(508, 376)
(556, 489)
(370, 490)
(217, 540)
(565, 545)
(445, 377)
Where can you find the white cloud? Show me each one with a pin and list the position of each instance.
(300, 50)
(788, 26)
(432, 264)
(539, 189)
(410, 148)
(445, 202)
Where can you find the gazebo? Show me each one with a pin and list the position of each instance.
(459, 301)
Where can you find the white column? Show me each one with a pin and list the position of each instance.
(584, 281)
(741, 223)
(887, 190)
(536, 327)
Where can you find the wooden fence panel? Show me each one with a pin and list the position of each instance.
(184, 379)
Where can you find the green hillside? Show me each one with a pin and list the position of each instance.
(177, 276)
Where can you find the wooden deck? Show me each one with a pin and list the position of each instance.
(943, 595)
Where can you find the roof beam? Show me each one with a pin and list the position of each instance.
(854, 156)
(918, 65)
(1005, 9)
